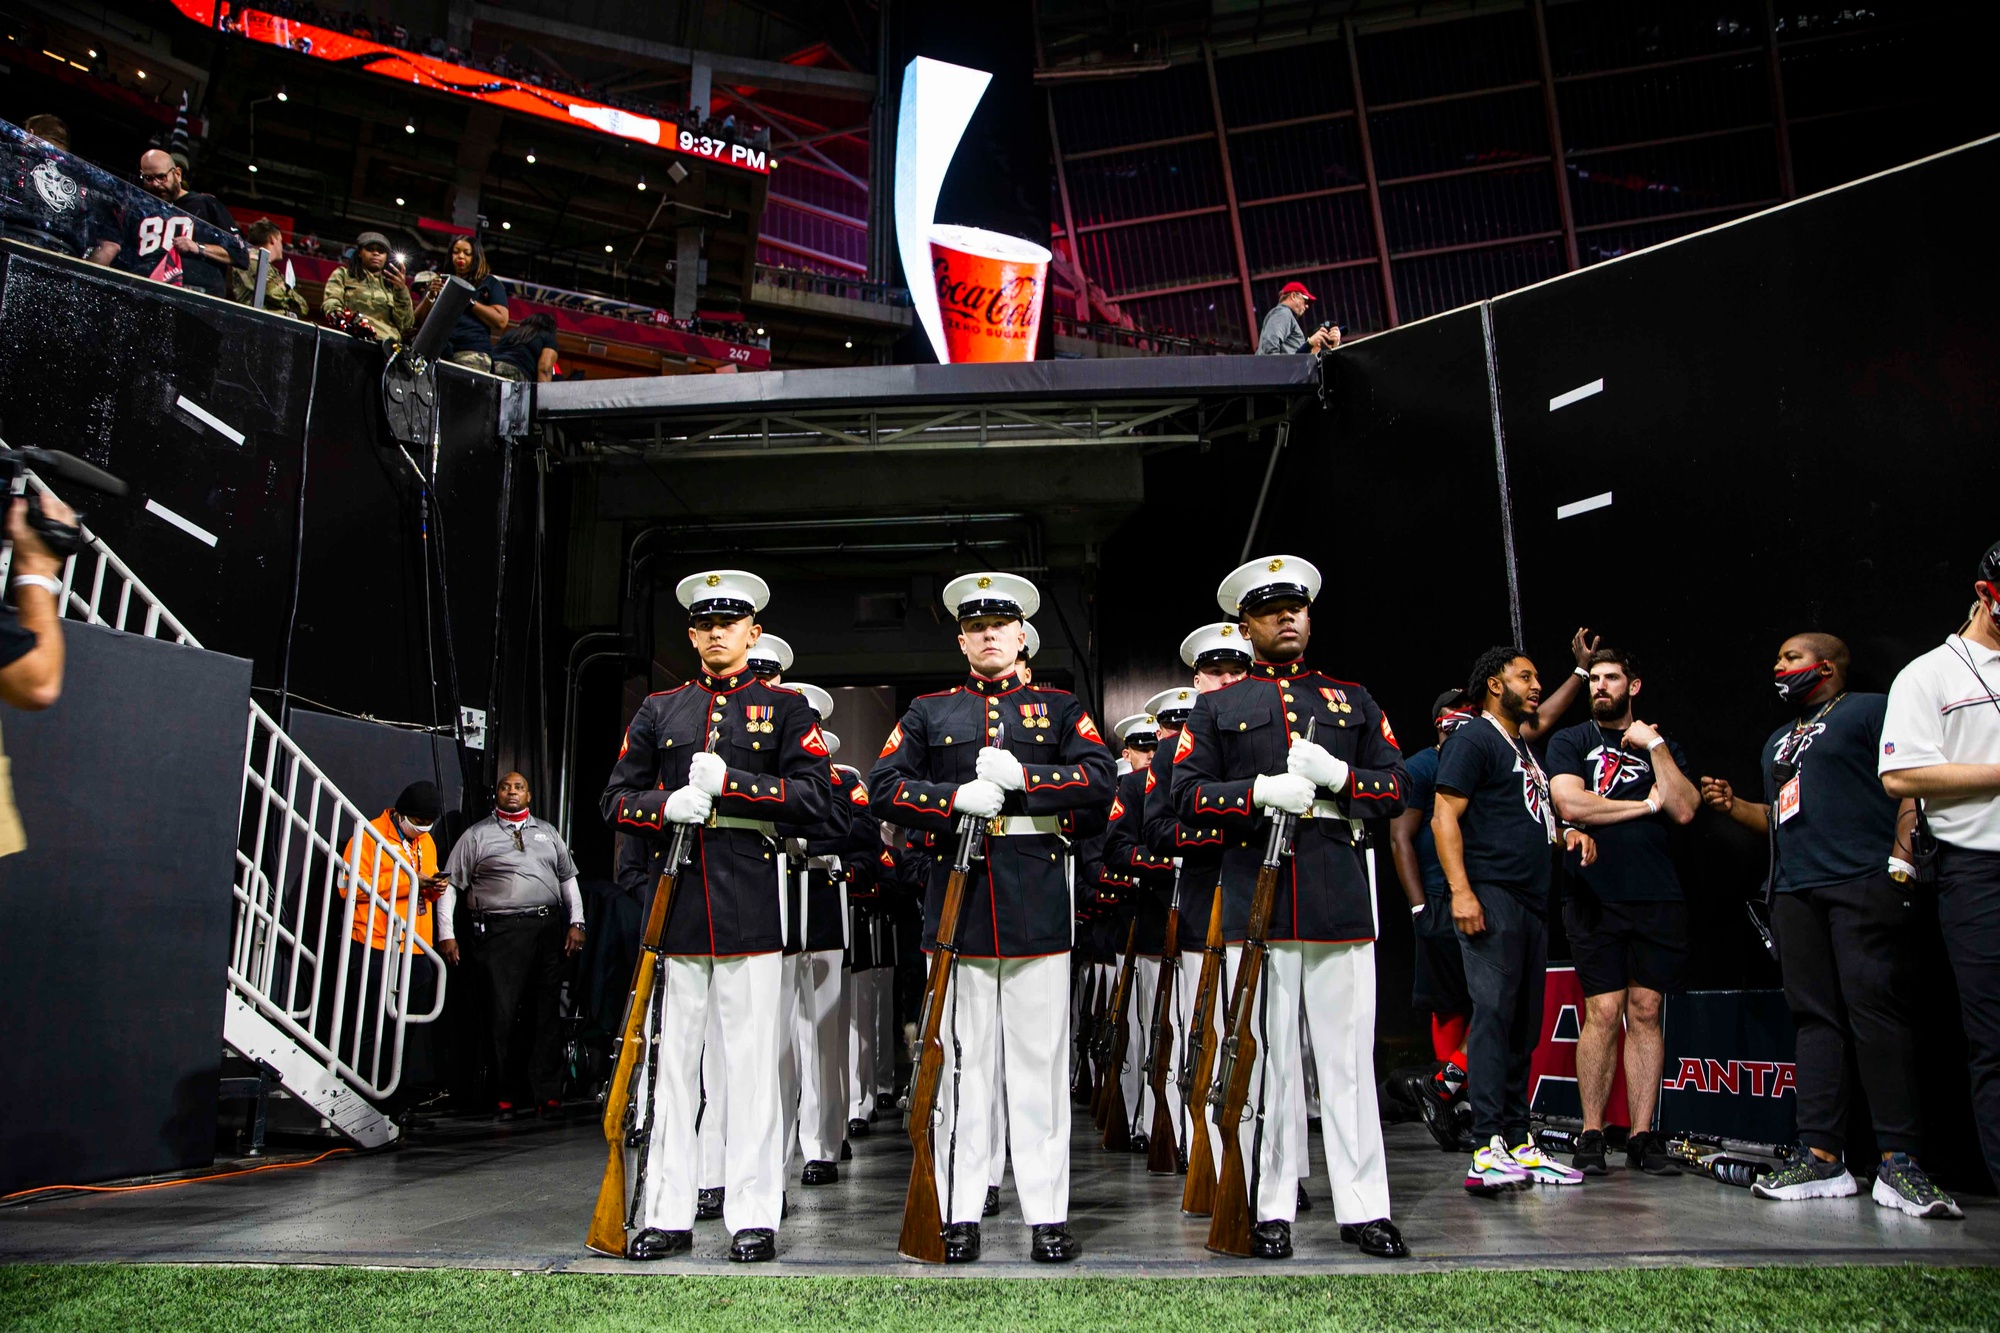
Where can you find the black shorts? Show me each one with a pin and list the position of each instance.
(1615, 945)
(1440, 983)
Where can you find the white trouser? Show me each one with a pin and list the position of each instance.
(1028, 999)
(788, 1053)
(1138, 1022)
(1308, 1068)
(887, 1037)
(819, 1045)
(861, 1037)
(996, 1162)
(743, 994)
(715, 1115)
(1337, 984)
(1187, 992)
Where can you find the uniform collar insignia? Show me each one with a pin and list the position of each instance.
(725, 684)
(1279, 670)
(980, 685)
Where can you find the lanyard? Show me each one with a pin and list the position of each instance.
(1535, 776)
(1792, 749)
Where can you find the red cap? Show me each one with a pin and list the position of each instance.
(1298, 287)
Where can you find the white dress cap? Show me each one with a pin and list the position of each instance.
(1139, 726)
(1222, 639)
(821, 701)
(1173, 705)
(729, 591)
(772, 649)
(1266, 580)
(1034, 641)
(991, 594)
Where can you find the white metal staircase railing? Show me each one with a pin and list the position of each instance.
(327, 1010)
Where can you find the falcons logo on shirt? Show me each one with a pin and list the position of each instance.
(1535, 794)
(1612, 765)
(1794, 746)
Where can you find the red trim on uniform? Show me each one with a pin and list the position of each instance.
(1058, 786)
(779, 795)
(707, 899)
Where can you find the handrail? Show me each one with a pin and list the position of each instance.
(90, 609)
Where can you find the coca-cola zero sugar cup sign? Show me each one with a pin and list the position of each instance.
(984, 299)
(989, 293)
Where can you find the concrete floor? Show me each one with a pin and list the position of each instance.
(477, 1195)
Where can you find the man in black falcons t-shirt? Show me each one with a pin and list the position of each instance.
(1627, 923)
(1495, 824)
(1842, 925)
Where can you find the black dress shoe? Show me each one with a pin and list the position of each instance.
(857, 1128)
(961, 1242)
(885, 1101)
(1378, 1239)
(992, 1204)
(1271, 1240)
(754, 1245)
(708, 1204)
(653, 1243)
(1052, 1244)
(1305, 1199)
(846, 1151)
(1141, 1144)
(820, 1173)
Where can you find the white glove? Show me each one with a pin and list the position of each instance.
(1283, 791)
(689, 805)
(708, 772)
(1309, 760)
(979, 797)
(1001, 769)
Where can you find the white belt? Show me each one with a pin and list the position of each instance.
(1020, 826)
(764, 827)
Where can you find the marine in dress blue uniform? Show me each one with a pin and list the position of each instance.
(1242, 754)
(725, 932)
(1028, 760)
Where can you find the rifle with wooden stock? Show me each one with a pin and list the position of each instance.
(1163, 1155)
(1113, 1116)
(1198, 1070)
(608, 1219)
(923, 1217)
(1230, 1222)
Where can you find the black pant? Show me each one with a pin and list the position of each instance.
(1969, 912)
(1844, 950)
(361, 1014)
(519, 961)
(1506, 969)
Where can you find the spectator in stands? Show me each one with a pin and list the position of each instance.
(471, 341)
(528, 350)
(1843, 928)
(279, 294)
(160, 244)
(50, 129)
(52, 198)
(1941, 746)
(520, 890)
(404, 827)
(1283, 334)
(371, 285)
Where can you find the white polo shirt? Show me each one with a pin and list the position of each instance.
(1945, 709)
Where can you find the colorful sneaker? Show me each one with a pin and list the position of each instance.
(1805, 1177)
(1901, 1184)
(1494, 1170)
(1543, 1169)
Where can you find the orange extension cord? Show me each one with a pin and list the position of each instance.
(169, 1184)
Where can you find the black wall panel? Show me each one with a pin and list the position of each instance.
(114, 923)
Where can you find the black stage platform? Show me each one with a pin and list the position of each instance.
(477, 1195)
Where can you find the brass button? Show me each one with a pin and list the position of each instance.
(1291, 717)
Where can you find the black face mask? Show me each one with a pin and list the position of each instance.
(1794, 686)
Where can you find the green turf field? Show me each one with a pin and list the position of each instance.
(1679, 1300)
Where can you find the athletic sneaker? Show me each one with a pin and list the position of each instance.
(1589, 1155)
(1494, 1170)
(1543, 1169)
(1901, 1184)
(1647, 1151)
(1805, 1177)
(1436, 1098)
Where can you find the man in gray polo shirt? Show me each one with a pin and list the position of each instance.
(520, 889)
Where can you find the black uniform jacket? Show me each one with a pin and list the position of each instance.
(1150, 875)
(1200, 849)
(846, 832)
(1244, 730)
(726, 902)
(1019, 905)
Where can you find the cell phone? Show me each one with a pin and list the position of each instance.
(400, 260)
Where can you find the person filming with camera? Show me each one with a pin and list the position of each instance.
(1282, 333)
(31, 642)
